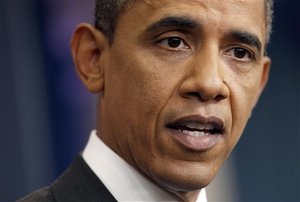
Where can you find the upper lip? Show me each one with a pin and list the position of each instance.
(199, 123)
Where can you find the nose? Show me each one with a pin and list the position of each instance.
(205, 78)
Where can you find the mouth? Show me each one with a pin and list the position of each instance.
(197, 132)
(198, 126)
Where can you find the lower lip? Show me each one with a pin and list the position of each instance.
(196, 143)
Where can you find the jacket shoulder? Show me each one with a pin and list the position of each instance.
(41, 195)
(77, 184)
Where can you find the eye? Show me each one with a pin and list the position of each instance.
(174, 43)
(241, 54)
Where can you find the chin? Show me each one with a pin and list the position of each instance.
(183, 178)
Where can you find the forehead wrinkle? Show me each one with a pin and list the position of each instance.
(204, 6)
(159, 3)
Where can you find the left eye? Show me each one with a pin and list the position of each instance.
(173, 42)
(241, 54)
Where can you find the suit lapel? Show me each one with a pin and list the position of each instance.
(79, 183)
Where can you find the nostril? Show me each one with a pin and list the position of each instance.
(219, 97)
(194, 94)
(200, 97)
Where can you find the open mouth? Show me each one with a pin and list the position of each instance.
(196, 130)
(198, 126)
(197, 133)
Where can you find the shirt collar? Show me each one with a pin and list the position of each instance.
(122, 180)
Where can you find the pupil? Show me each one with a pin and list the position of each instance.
(240, 53)
(174, 42)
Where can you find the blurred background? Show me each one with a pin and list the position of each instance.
(46, 114)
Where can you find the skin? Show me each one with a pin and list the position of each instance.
(143, 83)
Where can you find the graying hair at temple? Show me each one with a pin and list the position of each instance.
(107, 13)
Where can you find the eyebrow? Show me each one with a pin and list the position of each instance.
(174, 21)
(246, 38)
(188, 23)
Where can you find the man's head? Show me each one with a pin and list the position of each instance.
(177, 84)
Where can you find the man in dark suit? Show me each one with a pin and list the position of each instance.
(177, 82)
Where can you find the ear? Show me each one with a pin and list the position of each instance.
(89, 49)
(266, 64)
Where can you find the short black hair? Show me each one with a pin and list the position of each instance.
(107, 13)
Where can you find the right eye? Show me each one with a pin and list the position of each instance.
(173, 42)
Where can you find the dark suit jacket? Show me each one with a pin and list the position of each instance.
(77, 184)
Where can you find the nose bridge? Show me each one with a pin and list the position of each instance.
(206, 65)
(206, 78)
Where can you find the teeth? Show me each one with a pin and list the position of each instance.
(199, 126)
(194, 133)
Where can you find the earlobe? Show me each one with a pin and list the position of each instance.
(89, 47)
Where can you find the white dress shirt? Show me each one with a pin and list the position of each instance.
(121, 179)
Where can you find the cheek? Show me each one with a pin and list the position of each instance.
(244, 92)
(142, 87)
(147, 82)
(139, 88)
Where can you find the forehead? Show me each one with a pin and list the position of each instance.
(205, 4)
(233, 14)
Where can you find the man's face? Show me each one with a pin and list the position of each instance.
(181, 80)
